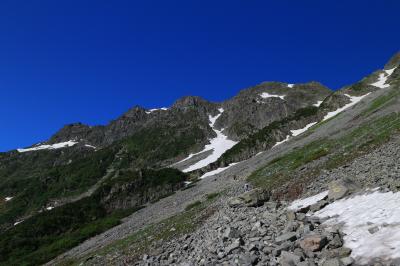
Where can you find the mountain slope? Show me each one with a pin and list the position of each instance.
(286, 136)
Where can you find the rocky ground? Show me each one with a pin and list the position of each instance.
(250, 229)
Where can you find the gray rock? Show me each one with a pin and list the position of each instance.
(347, 261)
(231, 232)
(291, 236)
(341, 188)
(289, 259)
(333, 262)
(373, 230)
(253, 198)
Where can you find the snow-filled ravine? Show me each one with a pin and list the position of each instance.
(370, 222)
(217, 145)
(353, 100)
(381, 83)
(50, 147)
(217, 171)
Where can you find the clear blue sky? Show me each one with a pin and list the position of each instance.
(90, 61)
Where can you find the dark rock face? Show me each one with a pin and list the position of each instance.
(249, 112)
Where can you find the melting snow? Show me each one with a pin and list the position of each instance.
(187, 183)
(318, 104)
(16, 223)
(8, 198)
(218, 146)
(363, 212)
(50, 147)
(297, 132)
(157, 109)
(49, 208)
(217, 171)
(353, 101)
(302, 203)
(381, 83)
(266, 95)
(290, 85)
(90, 146)
(280, 142)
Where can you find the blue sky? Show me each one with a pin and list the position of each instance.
(90, 61)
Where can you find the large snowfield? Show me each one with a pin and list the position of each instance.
(217, 145)
(370, 222)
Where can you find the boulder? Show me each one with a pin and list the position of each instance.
(341, 188)
(313, 243)
(253, 198)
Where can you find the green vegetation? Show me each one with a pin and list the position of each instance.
(192, 205)
(47, 234)
(33, 187)
(381, 101)
(43, 236)
(340, 150)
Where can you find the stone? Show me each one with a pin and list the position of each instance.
(291, 215)
(291, 236)
(231, 232)
(288, 258)
(373, 230)
(252, 198)
(318, 206)
(341, 188)
(313, 243)
(300, 216)
(347, 261)
(235, 245)
(333, 262)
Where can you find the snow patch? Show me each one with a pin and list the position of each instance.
(90, 146)
(49, 208)
(303, 203)
(363, 212)
(217, 171)
(156, 109)
(318, 104)
(50, 147)
(187, 183)
(297, 132)
(218, 146)
(8, 198)
(18, 222)
(381, 83)
(280, 142)
(353, 100)
(290, 85)
(266, 95)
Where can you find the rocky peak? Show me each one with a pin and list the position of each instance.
(394, 61)
(70, 132)
(190, 101)
(137, 112)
